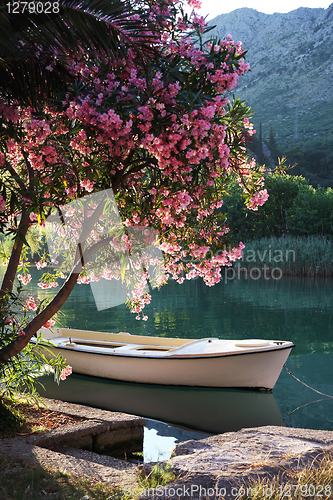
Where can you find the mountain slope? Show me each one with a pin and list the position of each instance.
(290, 86)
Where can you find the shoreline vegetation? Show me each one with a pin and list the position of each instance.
(309, 256)
(292, 233)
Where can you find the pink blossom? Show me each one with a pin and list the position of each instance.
(40, 264)
(83, 280)
(258, 199)
(87, 185)
(49, 323)
(2, 204)
(249, 126)
(65, 372)
(25, 279)
(30, 304)
(70, 191)
(200, 252)
(33, 217)
(195, 4)
(244, 67)
(170, 248)
(52, 284)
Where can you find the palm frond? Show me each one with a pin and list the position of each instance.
(30, 82)
(106, 25)
(28, 43)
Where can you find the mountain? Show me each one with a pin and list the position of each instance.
(290, 85)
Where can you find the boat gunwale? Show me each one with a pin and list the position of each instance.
(188, 356)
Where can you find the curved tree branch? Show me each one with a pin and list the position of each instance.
(56, 303)
(15, 176)
(134, 169)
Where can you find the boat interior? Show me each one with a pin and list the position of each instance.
(135, 345)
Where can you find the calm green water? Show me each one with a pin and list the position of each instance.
(300, 310)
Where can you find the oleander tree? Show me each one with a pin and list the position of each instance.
(34, 38)
(159, 127)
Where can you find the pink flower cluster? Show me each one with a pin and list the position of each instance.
(87, 184)
(83, 280)
(249, 126)
(24, 278)
(195, 4)
(2, 204)
(49, 323)
(52, 284)
(258, 199)
(31, 304)
(33, 217)
(65, 372)
(40, 264)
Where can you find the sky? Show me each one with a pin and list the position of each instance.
(213, 8)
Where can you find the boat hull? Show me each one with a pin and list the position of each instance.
(182, 365)
(256, 370)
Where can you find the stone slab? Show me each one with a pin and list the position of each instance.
(248, 446)
(79, 463)
(115, 419)
(110, 426)
(205, 468)
(219, 465)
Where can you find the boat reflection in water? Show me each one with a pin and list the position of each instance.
(208, 410)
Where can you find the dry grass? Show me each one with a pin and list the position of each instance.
(313, 481)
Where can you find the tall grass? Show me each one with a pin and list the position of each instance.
(294, 255)
(310, 482)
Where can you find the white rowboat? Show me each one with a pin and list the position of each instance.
(208, 362)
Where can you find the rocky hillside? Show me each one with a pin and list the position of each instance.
(290, 86)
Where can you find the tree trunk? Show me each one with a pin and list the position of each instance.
(9, 277)
(57, 302)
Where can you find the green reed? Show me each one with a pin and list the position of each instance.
(294, 255)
